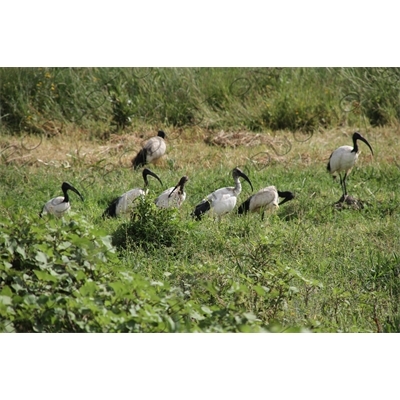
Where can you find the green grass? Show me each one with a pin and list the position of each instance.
(308, 266)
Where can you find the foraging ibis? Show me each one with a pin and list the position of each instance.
(222, 201)
(152, 150)
(344, 158)
(125, 203)
(174, 196)
(266, 198)
(58, 206)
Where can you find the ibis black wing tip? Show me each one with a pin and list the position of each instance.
(244, 207)
(139, 160)
(111, 210)
(328, 166)
(200, 209)
(108, 214)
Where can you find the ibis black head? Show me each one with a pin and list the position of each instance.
(236, 172)
(67, 186)
(287, 196)
(180, 184)
(358, 136)
(146, 172)
(161, 134)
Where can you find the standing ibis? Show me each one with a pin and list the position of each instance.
(174, 196)
(344, 158)
(266, 198)
(152, 150)
(222, 201)
(59, 206)
(125, 203)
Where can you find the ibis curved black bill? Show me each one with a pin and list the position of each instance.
(67, 186)
(239, 172)
(358, 136)
(180, 185)
(147, 172)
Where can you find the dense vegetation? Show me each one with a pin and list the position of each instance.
(310, 266)
(42, 99)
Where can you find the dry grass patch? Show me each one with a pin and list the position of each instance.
(187, 148)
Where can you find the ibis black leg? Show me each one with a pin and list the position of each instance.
(344, 185)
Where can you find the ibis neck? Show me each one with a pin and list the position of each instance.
(355, 146)
(66, 198)
(238, 187)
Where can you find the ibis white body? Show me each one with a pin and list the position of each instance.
(56, 206)
(125, 203)
(222, 201)
(173, 196)
(344, 158)
(60, 205)
(265, 199)
(164, 200)
(152, 150)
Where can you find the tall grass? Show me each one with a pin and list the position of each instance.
(214, 98)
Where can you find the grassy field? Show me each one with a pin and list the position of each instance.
(309, 266)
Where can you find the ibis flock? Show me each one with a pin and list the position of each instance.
(218, 203)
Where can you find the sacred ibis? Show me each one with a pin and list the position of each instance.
(174, 196)
(222, 201)
(59, 206)
(125, 203)
(266, 198)
(344, 158)
(152, 150)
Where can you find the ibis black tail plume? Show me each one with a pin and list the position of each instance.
(244, 207)
(328, 166)
(201, 209)
(140, 159)
(111, 210)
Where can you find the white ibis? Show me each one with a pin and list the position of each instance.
(58, 206)
(174, 196)
(152, 150)
(125, 203)
(222, 201)
(344, 158)
(266, 198)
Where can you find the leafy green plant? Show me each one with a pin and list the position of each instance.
(150, 227)
(43, 264)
